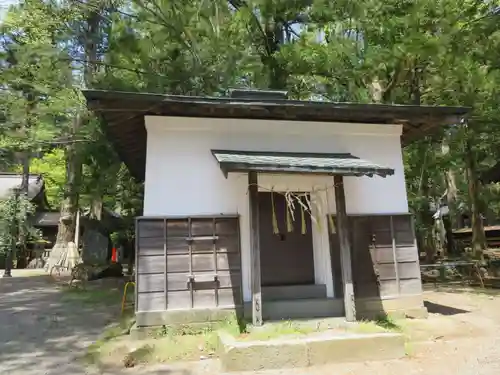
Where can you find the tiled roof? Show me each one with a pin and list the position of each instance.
(344, 164)
(10, 181)
(123, 115)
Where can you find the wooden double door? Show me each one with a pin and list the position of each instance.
(286, 257)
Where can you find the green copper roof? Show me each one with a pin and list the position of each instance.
(330, 164)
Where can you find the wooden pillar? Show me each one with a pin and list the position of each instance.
(253, 194)
(345, 248)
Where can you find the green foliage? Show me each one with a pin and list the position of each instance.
(36, 82)
(15, 224)
(409, 52)
(53, 169)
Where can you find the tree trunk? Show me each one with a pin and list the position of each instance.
(14, 232)
(64, 252)
(376, 91)
(26, 173)
(451, 201)
(426, 233)
(274, 35)
(21, 255)
(69, 207)
(91, 48)
(96, 209)
(478, 237)
(25, 180)
(454, 218)
(426, 219)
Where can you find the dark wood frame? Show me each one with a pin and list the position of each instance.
(343, 231)
(345, 249)
(253, 195)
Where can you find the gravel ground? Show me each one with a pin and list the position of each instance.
(42, 333)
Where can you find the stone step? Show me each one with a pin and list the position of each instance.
(289, 292)
(302, 308)
(310, 350)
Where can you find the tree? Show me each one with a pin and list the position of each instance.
(407, 52)
(32, 75)
(15, 226)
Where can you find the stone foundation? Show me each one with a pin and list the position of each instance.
(312, 350)
(398, 307)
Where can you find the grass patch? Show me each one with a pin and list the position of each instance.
(166, 344)
(289, 328)
(179, 348)
(231, 324)
(387, 323)
(194, 342)
(367, 327)
(379, 325)
(111, 333)
(94, 296)
(276, 330)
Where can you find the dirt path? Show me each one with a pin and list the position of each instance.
(41, 332)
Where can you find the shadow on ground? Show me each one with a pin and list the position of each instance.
(435, 308)
(45, 332)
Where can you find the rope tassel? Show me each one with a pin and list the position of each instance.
(331, 222)
(288, 213)
(317, 202)
(289, 224)
(303, 219)
(276, 229)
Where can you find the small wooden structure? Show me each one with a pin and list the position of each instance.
(464, 236)
(217, 174)
(93, 233)
(36, 194)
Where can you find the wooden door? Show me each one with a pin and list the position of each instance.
(286, 258)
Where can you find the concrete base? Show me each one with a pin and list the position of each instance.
(367, 308)
(183, 317)
(311, 350)
(293, 292)
(398, 307)
(192, 328)
(141, 333)
(299, 308)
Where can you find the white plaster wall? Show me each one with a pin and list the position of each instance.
(183, 177)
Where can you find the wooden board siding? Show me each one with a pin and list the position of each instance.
(385, 257)
(185, 263)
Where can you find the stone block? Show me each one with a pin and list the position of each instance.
(355, 348)
(264, 356)
(310, 350)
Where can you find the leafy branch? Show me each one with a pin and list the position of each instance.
(16, 221)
